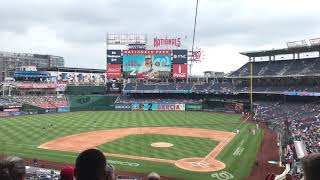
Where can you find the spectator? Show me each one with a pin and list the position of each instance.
(153, 176)
(311, 166)
(12, 168)
(67, 173)
(90, 165)
(110, 172)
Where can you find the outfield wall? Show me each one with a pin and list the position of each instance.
(91, 102)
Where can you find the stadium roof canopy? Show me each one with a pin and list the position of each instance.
(275, 52)
(70, 69)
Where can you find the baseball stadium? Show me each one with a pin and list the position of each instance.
(146, 113)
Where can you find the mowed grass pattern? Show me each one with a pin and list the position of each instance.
(22, 135)
(140, 145)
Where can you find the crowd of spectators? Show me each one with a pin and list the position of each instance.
(296, 122)
(300, 120)
(91, 164)
(224, 87)
(43, 101)
(8, 102)
(199, 88)
(310, 66)
(165, 87)
(123, 99)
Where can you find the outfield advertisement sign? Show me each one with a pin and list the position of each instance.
(123, 107)
(63, 109)
(193, 107)
(158, 91)
(147, 64)
(4, 114)
(157, 107)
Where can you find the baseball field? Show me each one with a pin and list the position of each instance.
(184, 145)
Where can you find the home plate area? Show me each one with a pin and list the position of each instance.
(200, 164)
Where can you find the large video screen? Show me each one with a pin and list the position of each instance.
(147, 64)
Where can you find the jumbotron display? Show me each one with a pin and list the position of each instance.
(148, 64)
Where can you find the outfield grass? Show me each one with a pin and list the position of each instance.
(139, 145)
(22, 135)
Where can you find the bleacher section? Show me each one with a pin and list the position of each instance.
(158, 88)
(303, 120)
(49, 101)
(8, 103)
(297, 67)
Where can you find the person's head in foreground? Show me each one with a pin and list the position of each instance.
(90, 165)
(12, 168)
(153, 176)
(67, 173)
(311, 166)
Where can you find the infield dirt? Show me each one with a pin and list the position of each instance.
(83, 141)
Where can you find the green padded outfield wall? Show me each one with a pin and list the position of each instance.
(32, 109)
(91, 102)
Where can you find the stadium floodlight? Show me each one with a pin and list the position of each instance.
(315, 42)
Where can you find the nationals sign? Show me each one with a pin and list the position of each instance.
(179, 71)
(114, 71)
(158, 42)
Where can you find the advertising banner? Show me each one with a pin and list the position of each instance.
(144, 106)
(11, 110)
(126, 107)
(166, 107)
(193, 107)
(146, 63)
(136, 46)
(157, 107)
(114, 71)
(179, 71)
(36, 86)
(63, 109)
(114, 57)
(4, 114)
(179, 56)
(179, 107)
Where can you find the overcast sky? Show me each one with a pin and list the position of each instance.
(76, 29)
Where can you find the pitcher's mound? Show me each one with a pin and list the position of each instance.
(161, 144)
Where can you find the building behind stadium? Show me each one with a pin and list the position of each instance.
(9, 61)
